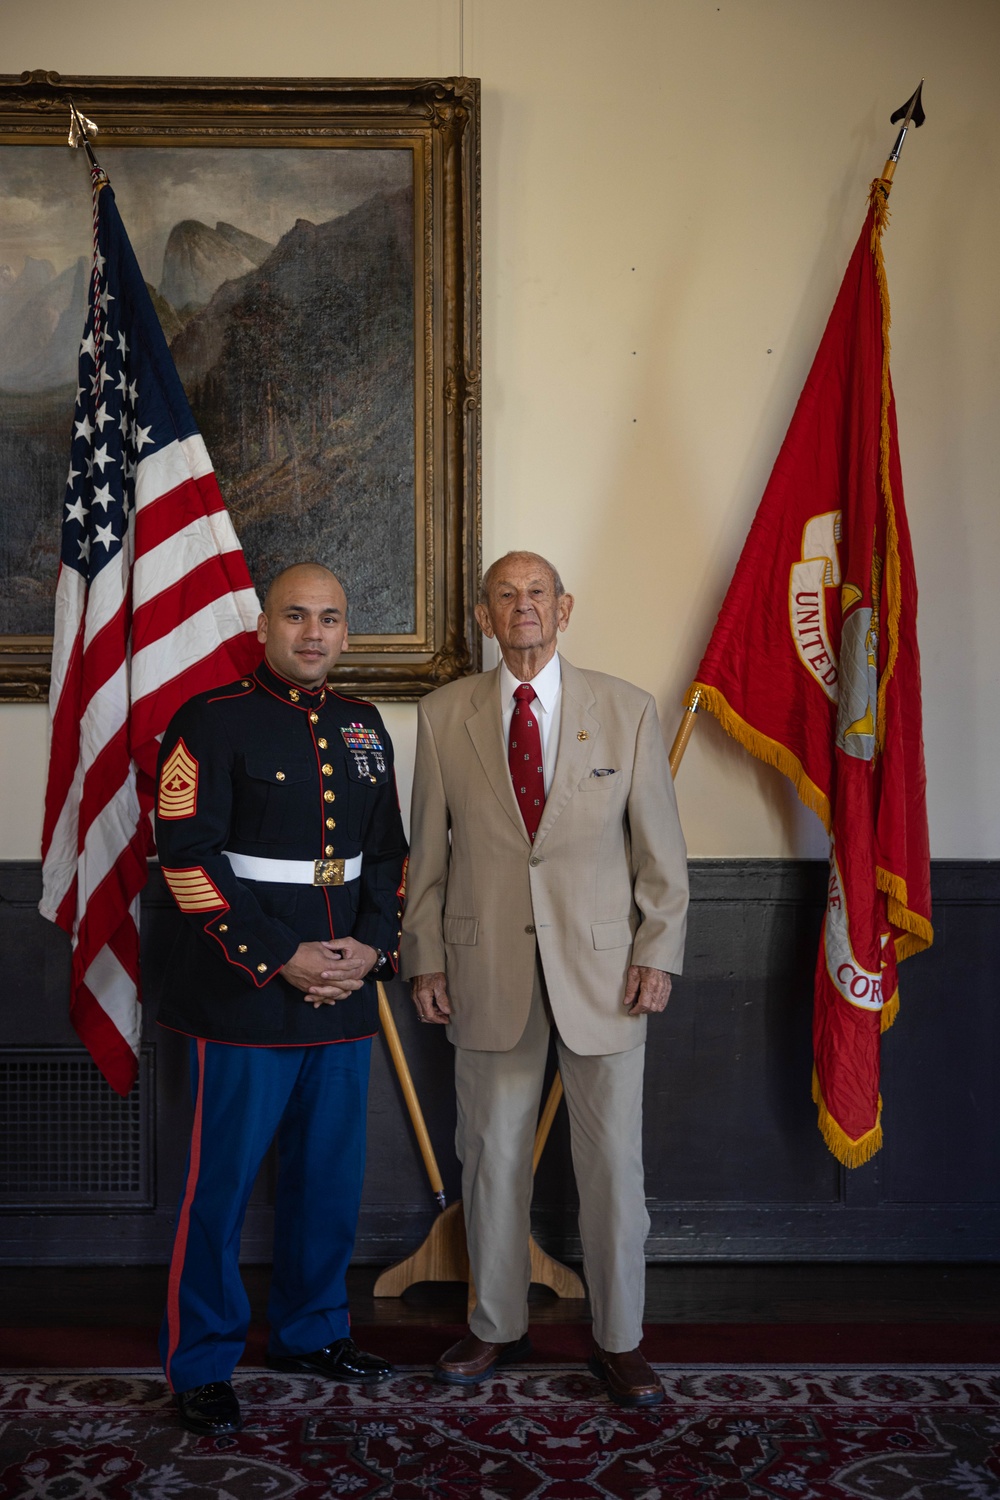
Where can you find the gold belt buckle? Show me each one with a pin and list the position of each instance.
(328, 872)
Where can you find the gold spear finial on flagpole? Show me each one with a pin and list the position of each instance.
(911, 113)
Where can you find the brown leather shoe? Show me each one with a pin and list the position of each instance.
(628, 1377)
(472, 1360)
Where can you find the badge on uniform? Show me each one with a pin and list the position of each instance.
(362, 742)
(178, 797)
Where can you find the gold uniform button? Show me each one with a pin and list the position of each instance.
(321, 744)
(329, 797)
(245, 682)
(262, 968)
(327, 769)
(328, 850)
(223, 926)
(279, 775)
(293, 693)
(243, 947)
(331, 822)
(314, 718)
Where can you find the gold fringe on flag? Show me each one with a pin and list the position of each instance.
(772, 752)
(849, 1152)
(890, 1010)
(892, 587)
(916, 933)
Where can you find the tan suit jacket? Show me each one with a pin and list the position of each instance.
(604, 884)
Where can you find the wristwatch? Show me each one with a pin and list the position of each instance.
(380, 966)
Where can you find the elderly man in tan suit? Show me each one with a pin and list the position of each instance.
(547, 892)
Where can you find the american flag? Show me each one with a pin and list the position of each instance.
(153, 603)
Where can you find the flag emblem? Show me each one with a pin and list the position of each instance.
(178, 784)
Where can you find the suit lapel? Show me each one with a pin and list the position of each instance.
(575, 753)
(485, 727)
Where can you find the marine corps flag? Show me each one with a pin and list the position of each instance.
(813, 666)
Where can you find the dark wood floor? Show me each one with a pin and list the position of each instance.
(100, 1296)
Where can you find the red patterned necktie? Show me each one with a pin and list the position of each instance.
(524, 756)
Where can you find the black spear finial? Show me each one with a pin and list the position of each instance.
(911, 113)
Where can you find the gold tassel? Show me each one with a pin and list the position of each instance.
(850, 1152)
(772, 752)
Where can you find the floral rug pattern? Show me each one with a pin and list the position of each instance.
(749, 1433)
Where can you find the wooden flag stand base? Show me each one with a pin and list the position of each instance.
(444, 1254)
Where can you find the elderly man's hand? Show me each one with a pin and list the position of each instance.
(430, 996)
(646, 990)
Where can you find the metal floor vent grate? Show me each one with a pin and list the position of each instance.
(66, 1137)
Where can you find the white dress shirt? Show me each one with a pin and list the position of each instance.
(548, 707)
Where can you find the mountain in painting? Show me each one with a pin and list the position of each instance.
(250, 245)
(41, 320)
(197, 260)
(301, 376)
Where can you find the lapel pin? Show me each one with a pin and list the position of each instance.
(582, 735)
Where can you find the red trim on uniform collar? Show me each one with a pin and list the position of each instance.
(292, 693)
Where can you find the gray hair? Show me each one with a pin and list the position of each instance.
(494, 568)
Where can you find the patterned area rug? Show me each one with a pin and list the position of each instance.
(760, 1432)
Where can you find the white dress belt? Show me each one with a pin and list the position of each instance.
(295, 871)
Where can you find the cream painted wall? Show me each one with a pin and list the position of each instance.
(671, 189)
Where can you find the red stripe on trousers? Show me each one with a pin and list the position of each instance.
(184, 1223)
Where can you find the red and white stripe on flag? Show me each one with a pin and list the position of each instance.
(154, 603)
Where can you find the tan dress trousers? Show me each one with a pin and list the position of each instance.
(498, 1100)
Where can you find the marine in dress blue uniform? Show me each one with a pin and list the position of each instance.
(279, 835)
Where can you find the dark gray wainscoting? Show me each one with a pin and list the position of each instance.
(736, 1168)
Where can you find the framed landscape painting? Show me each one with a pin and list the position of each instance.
(312, 250)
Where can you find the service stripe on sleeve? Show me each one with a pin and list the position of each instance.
(193, 891)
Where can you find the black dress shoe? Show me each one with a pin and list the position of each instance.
(342, 1360)
(210, 1410)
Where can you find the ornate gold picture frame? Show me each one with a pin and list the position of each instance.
(312, 246)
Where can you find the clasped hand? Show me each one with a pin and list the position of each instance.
(329, 970)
